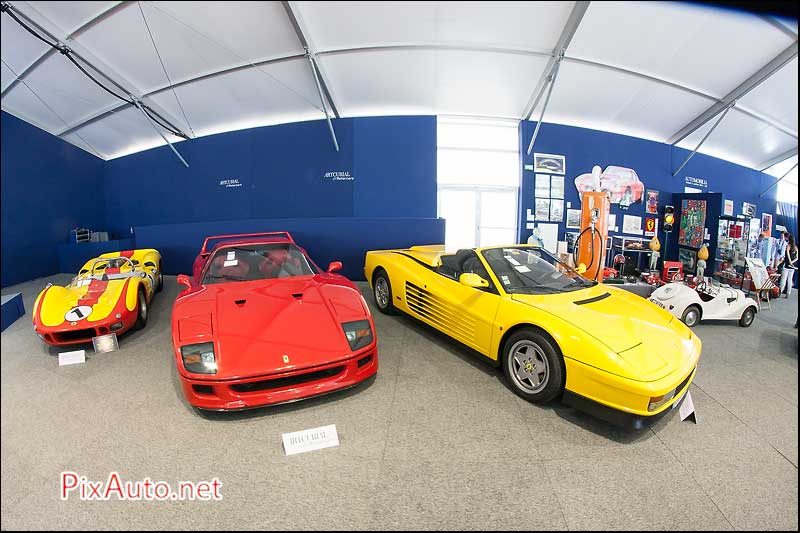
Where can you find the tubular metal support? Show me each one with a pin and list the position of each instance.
(705, 137)
(322, 99)
(139, 107)
(777, 181)
(546, 101)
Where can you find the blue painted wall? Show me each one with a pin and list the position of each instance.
(283, 171)
(48, 188)
(654, 163)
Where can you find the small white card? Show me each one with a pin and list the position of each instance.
(522, 268)
(231, 255)
(231, 263)
(310, 439)
(687, 407)
(71, 358)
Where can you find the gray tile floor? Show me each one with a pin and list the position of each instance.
(436, 441)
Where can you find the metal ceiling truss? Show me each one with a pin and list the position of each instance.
(322, 88)
(745, 87)
(777, 181)
(84, 27)
(778, 159)
(706, 136)
(556, 56)
(50, 30)
(571, 26)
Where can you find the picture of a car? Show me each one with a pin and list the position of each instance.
(110, 294)
(554, 333)
(621, 183)
(259, 323)
(709, 300)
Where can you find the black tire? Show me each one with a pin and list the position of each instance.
(382, 292)
(159, 279)
(539, 354)
(141, 311)
(691, 316)
(748, 317)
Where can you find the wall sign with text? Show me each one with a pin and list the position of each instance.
(339, 176)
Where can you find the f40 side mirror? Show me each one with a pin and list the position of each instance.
(334, 266)
(185, 280)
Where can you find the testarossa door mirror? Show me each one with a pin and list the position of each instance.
(334, 266)
(185, 280)
(472, 280)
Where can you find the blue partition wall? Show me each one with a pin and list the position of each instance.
(654, 163)
(48, 188)
(378, 191)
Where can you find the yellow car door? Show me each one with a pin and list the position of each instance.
(465, 313)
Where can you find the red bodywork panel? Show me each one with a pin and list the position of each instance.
(275, 340)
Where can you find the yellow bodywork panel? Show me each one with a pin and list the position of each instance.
(618, 348)
(97, 292)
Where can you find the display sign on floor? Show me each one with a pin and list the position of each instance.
(686, 409)
(72, 358)
(105, 343)
(309, 440)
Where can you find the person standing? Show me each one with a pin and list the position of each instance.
(789, 266)
(763, 249)
(779, 251)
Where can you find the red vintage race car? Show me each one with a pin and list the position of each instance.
(259, 323)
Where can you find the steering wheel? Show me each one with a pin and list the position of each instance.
(107, 260)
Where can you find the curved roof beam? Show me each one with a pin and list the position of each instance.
(43, 24)
(571, 26)
(778, 159)
(85, 26)
(745, 87)
(420, 46)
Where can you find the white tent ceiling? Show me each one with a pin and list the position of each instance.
(646, 69)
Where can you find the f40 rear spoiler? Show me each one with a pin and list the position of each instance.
(284, 234)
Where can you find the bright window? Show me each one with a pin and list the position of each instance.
(478, 181)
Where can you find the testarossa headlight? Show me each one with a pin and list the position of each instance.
(358, 333)
(199, 358)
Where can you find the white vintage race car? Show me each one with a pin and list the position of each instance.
(708, 301)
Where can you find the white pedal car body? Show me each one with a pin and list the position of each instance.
(709, 301)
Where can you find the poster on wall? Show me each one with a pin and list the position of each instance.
(542, 211)
(621, 183)
(573, 218)
(748, 210)
(542, 189)
(557, 187)
(727, 208)
(688, 259)
(650, 226)
(652, 202)
(766, 224)
(549, 163)
(693, 223)
(556, 210)
(632, 224)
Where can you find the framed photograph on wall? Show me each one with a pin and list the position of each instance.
(688, 259)
(542, 189)
(573, 218)
(557, 187)
(556, 210)
(542, 211)
(555, 164)
(766, 224)
(652, 202)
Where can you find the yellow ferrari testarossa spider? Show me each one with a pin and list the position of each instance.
(553, 332)
(110, 294)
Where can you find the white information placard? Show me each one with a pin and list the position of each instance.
(72, 358)
(687, 408)
(309, 440)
